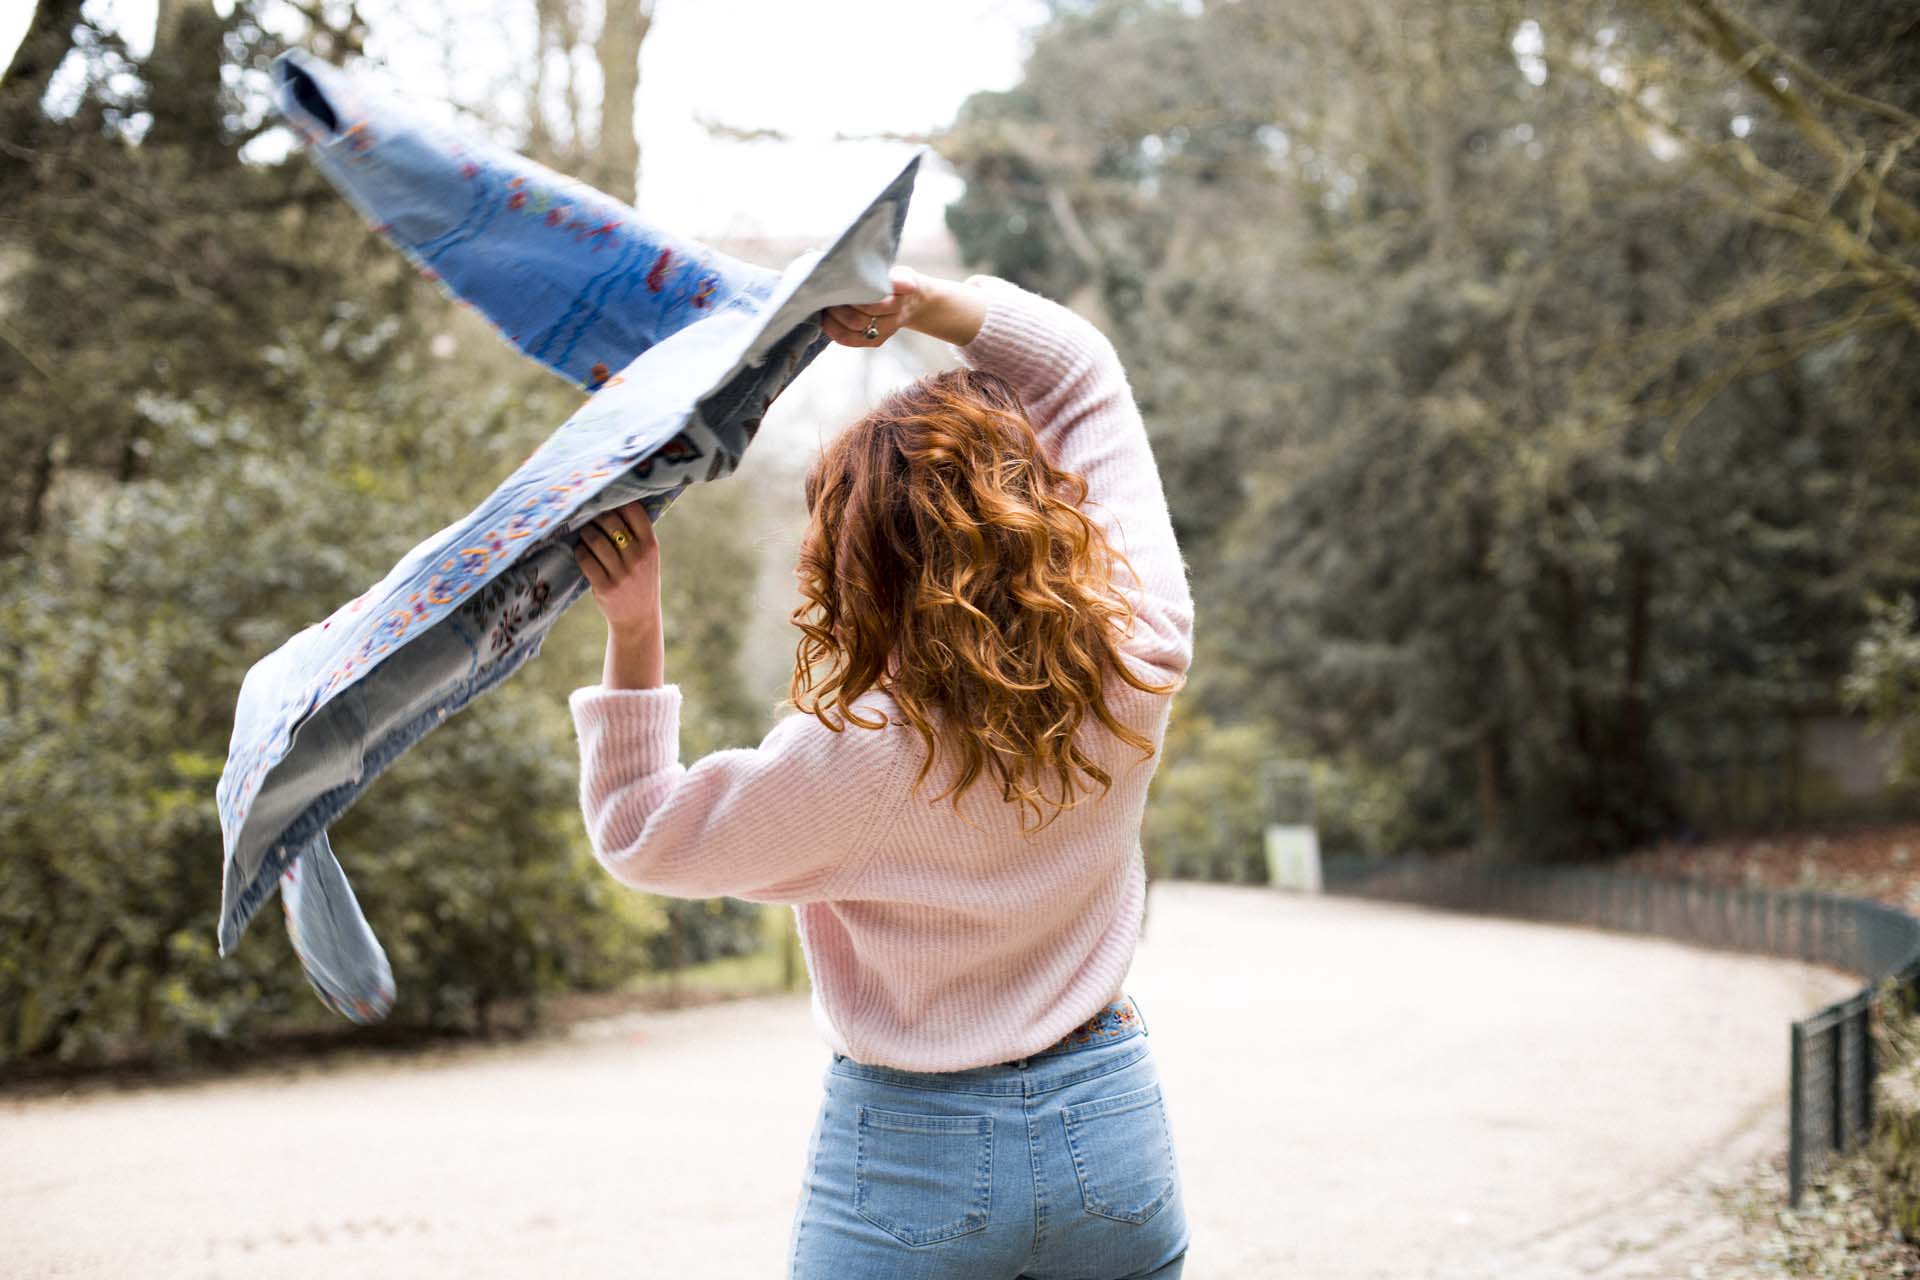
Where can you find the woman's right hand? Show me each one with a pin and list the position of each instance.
(949, 310)
(848, 325)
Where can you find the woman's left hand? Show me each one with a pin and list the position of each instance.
(620, 556)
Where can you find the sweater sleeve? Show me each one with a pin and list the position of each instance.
(790, 820)
(1077, 397)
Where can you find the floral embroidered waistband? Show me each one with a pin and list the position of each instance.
(1117, 1019)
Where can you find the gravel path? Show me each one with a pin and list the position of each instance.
(1356, 1090)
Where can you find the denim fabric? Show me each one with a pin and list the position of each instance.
(1056, 1167)
(683, 350)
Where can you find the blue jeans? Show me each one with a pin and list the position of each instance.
(1054, 1167)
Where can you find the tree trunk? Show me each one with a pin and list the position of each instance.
(1635, 720)
(48, 39)
(183, 78)
(615, 164)
(1490, 786)
(539, 137)
(1632, 770)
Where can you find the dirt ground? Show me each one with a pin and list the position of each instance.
(1880, 861)
(1356, 1090)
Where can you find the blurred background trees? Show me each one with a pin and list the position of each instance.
(1534, 384)
(228, 408)
(1534, 381)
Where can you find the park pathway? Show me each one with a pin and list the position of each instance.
(1356, 1090)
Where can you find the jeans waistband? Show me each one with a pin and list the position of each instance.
(1119, 1021)
(1116, 1021)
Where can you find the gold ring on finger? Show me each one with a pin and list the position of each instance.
(620, 538)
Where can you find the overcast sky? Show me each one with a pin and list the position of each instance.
(807, 68)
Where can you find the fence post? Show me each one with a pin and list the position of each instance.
(1869, 1066)
(1837, 1086)
(1857, 1108)
(1796, 1106)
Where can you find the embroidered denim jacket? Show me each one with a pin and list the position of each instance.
(683, 349)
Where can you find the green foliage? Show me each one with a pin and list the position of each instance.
(219, 394)
(1893, 1147)
(134, 624)
(1516, 456)
(1885, 678)
(1359, 809)
(1206, 819)
(707, 592)
(1208, 812)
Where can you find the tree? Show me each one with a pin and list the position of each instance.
(607, 153)
(1510, 464)
(235, 414)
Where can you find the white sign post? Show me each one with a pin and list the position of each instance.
(1292, 839)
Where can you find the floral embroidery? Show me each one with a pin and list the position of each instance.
(532, 602)
(1117, 1019)
(551, 209)
(459, 572)
(657, 276)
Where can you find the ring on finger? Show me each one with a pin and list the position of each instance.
(620, 538)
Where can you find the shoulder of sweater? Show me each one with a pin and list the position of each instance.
(852, 743)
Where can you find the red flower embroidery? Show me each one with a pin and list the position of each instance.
(657, 277)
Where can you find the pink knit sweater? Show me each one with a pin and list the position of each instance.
(935, 942)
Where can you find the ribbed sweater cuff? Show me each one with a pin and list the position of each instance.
(637, 725)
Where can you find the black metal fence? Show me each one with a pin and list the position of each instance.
(1831, 1068)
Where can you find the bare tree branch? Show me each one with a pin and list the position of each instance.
(1738, 45)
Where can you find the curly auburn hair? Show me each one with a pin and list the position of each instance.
(947, 562)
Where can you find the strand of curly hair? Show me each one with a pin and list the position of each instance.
(948, 563)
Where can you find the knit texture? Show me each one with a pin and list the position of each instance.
(936, 940)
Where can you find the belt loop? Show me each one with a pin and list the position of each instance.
(1137, 1013)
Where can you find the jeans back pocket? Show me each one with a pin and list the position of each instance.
(1122, 1150)
(923, 1179)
